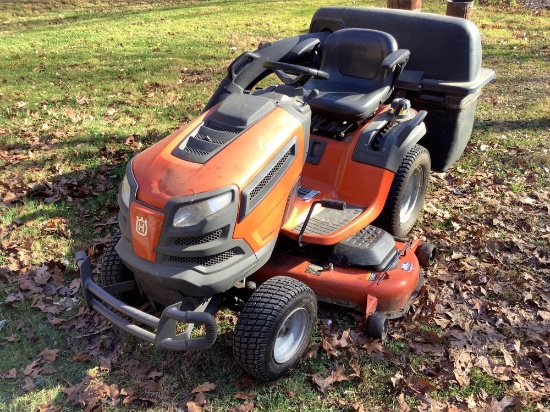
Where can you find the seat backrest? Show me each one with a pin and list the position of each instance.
(353, 59)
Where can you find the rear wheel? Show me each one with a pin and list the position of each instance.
(406, 194)
(275, 327)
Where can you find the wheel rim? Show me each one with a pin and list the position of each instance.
(411, 195)
(290, 335)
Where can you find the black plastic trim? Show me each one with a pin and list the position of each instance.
(159, 278)
(394, 144)
(124, 212)
(165, 336)
(232, 117)
(224, 220)
(314, 156)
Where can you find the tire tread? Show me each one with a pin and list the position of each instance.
(259, 317)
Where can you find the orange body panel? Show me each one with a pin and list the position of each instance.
(238, 163)
(353, 286)
(338, 177)
(145, 231)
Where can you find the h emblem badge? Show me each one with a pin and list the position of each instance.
(141, 226)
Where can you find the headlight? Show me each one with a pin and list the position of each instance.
(125, 191)
(194, 213)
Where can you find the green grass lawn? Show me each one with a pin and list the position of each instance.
(85, 85)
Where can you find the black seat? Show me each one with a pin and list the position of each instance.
(363, 66)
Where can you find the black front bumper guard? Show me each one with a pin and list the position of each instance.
(165, 336)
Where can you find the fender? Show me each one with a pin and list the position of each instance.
(387, 148)
(247, 70)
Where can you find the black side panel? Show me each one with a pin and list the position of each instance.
(386, 147)
(449, 127)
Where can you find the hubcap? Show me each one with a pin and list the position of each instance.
(290, 335)
(411, 195)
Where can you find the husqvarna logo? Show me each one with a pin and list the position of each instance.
(360, 48)
(141, 226)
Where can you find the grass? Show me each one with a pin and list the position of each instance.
(86, 84)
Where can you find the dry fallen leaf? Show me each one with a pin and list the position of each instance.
(193, 407)
(150, 386)
(49, 355)
(205, 387)
(245, 407)
(324, 383)
(50, 408)
(10, 374)
(244, 396)
(32, 369)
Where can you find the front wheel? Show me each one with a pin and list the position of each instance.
(275, 327)
(406, 194)
(113, 271)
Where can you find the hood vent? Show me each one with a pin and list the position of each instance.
(203, 143)
(233, 116)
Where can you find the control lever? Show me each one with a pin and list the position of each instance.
(312, 95)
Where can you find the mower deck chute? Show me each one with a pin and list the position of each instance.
(305, 189)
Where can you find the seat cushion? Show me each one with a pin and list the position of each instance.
(339, 102)
(357, 83)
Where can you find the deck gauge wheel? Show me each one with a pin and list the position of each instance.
(377, 326)
(426, 253)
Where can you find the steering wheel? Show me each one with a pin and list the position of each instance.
(302, 73)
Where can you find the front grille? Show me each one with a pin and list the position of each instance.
(197, 240)
(204, 260)
(268, 177)
(263, 183)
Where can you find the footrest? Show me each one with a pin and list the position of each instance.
(327, 221)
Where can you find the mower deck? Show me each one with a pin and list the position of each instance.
(365, 290)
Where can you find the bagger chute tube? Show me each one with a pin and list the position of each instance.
(302, 191)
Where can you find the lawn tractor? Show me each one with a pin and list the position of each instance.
(295, 192)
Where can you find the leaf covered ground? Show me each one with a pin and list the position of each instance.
(85, 85)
